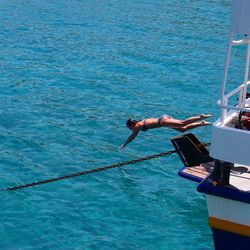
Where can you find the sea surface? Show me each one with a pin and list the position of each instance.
(71, 74)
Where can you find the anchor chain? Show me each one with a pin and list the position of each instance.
(91, 171)
(116, 165)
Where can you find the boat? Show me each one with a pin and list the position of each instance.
(222, 169)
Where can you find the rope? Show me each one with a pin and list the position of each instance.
(91, 171)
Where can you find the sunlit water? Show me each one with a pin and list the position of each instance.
(72, 72)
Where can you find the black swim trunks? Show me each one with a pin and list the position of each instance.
(144, 127)
(163, 117)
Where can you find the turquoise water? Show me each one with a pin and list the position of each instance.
(72, 72)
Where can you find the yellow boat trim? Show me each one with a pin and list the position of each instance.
(229, 226)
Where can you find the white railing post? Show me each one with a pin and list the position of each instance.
(223, 99)
(240, 97)
(246, 76)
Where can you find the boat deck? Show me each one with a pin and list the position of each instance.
(197, 173)
(239, 175)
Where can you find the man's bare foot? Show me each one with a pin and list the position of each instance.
(204, 123)
(203, 116)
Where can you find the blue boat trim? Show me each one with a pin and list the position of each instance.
(230, 241)
(188, 176)
(223, 191)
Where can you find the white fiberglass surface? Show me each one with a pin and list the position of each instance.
(240, 177)
(240, 22)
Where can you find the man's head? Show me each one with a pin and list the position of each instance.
(131, 123)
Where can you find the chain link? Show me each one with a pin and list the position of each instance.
(91, 171)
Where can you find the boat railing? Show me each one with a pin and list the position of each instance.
(241, 106)
(241, 41)
(242, 89)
